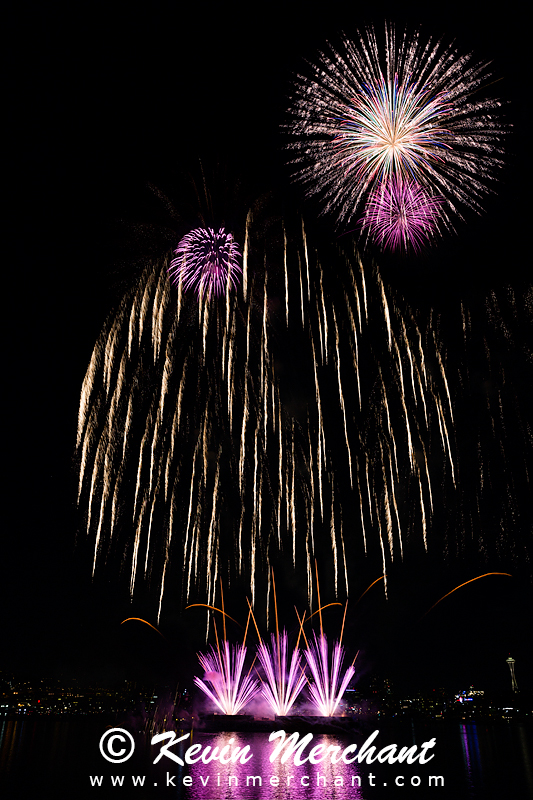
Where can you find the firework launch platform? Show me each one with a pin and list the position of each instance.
(211, 723)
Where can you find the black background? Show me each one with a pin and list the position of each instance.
(103, 101)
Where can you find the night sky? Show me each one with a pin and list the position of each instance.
(104, 104)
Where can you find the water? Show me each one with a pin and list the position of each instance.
(57, 757)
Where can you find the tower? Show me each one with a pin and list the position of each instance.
(514, 684)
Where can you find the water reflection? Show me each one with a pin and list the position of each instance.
(42, 742)
(260, 778)
(8, 741)
(481, 762)
(471, 754)
(526, 757)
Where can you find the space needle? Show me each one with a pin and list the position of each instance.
(514, 684)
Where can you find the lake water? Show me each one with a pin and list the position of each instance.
(59, 757)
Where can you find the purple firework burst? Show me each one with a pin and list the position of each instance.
(401, 213)
(207, 261)
(327, 690)
(228, 689)
(284, 681)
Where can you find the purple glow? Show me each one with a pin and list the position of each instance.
(284, 681)
(223, 671)
(206, 261)
(400, 213)
(327, 690)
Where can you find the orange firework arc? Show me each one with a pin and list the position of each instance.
(213, 608)
(382, 577)
(138, 619)
(486, 574)
(319, 610)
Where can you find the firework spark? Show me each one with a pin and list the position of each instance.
(401, 213)
(207, 261)
(366, 113)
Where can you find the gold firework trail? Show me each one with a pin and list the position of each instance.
(170, 376)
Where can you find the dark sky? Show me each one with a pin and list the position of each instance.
(103, 102)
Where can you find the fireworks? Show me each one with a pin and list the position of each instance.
(214, 436)
(284, 681)
(391, 130)
(401, 213)
(228, 688)
(328, 687)
(231, 691)
(190, 442)
(466, 584)
(365, 115)
(207, 261)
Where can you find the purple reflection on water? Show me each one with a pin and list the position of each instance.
(471, 754)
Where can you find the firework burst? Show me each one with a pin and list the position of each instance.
(364, 114)
(207, 261)
(328, 688)
(400, 214)
(284, 680)
(228, 688)
(393, 129)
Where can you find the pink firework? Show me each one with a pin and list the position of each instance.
(284, 681)
(207, 261)
(223, 668)
(328, 687)
(401, 213)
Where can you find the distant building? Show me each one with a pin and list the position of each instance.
(514, 684)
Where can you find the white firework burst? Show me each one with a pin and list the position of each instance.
(364, 114)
